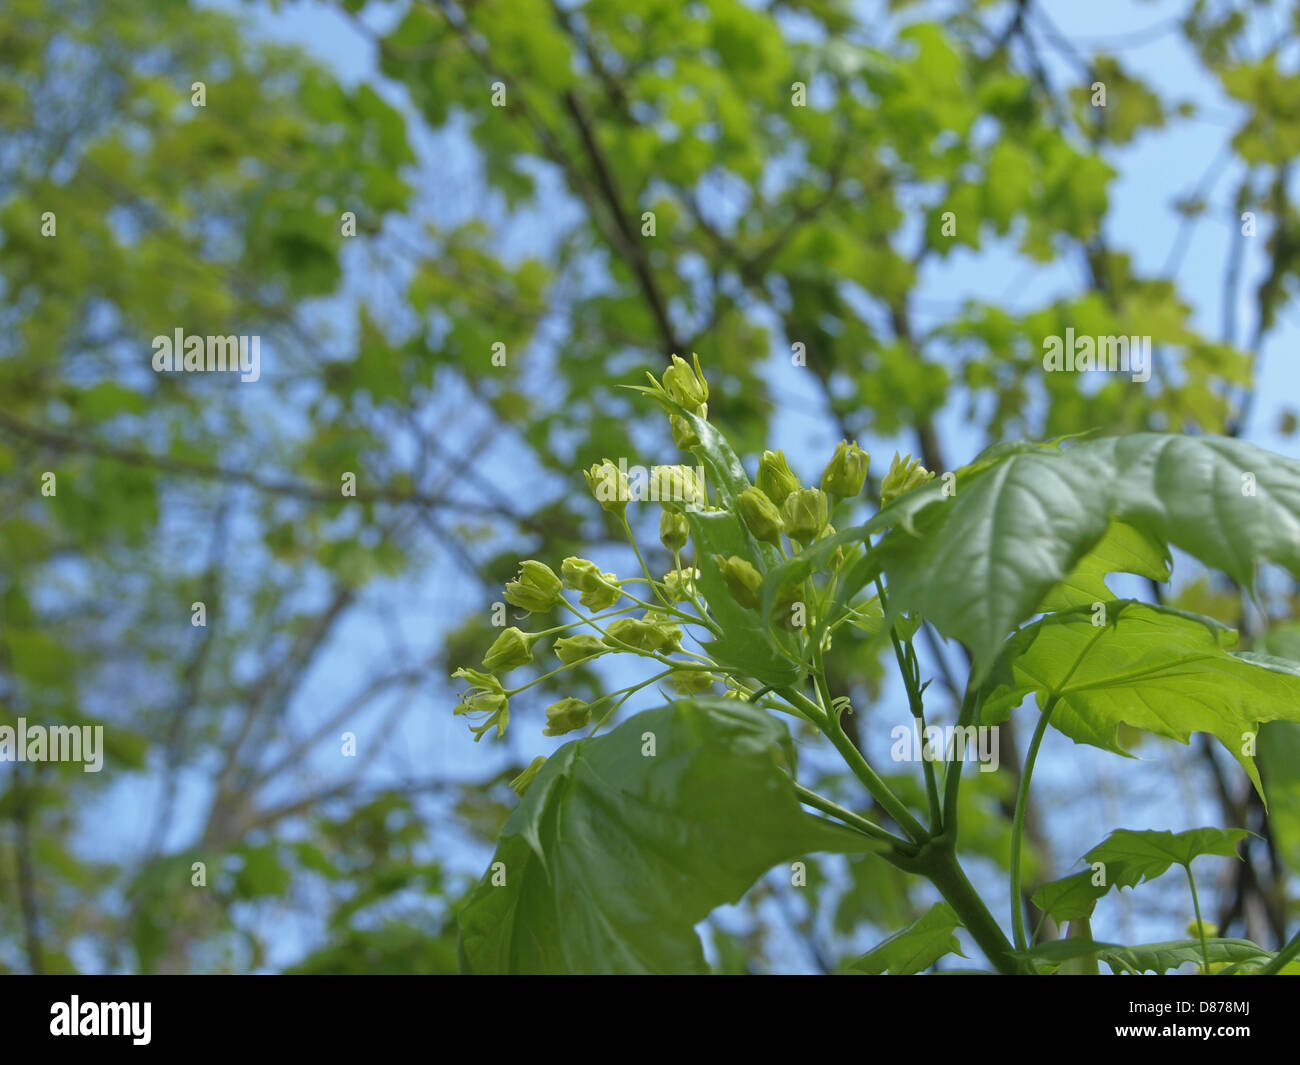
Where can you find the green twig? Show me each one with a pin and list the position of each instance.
(877, 788)
(966, 716)
(908, 667)
(1200, 925)
(631, 539)
(857, 821)
(1018, 826)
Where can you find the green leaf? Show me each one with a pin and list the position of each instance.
(1123, 549)
(1277, 665)
(262, 872)
(1072, 898)
(981, 561)
(1132, 857)
(1162, 957)
(746, 644)
(1258, 962)
(1153, 668)
(1147, 957)
(613, 855)
(916, 947)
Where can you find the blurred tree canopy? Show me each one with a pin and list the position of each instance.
(769, 185)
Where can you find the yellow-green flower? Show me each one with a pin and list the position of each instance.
(674, 530)
(565, 716)
(760, 516)
(603, 597)
(520, 784)
(903, 476)
(691, 681)
(512, 649)
(674, 486)
(742, 580)
(670, 633)
(608, 483)
(775, 478)
(679, 584)
(846, 472)
(685, 385)
(485, 700)
(536, 588)
(599, 590)
(580, 574)
(643, 634)
(805, 513)
(572, 649)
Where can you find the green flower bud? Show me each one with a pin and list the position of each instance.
(837, 556)
(630, 631)
(760, 516)
(688, 387)
(846, 472)
(742, 580)
(775, 477)
(536, 588)
(572, 649)
(565, 716)
(485, 699)
(580, 574)
(674, 530)
(520, 784)
(679, 584)
(674, 486)
(902, 477)
(513, 648)
(599, 590)
(805, 513)
(603, 597)
(643, 635)
(608, 484)
(670, 633)
(691, 681)
(784, 601)
(684, 434)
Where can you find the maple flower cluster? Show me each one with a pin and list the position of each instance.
(777, 510)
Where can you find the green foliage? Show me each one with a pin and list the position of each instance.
(780, 229)
(1146, 958)
(1132, 857)
(618, 849)
(916, 947)
(1072, 898)
(1188, 680)
(1017, 527)
(615, 854)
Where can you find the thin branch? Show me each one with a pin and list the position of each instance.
(297, 489)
